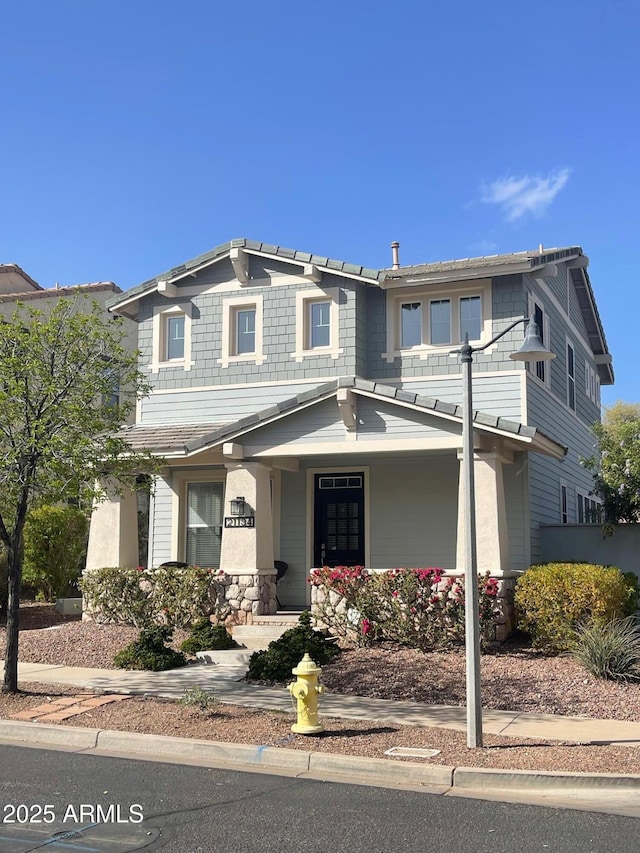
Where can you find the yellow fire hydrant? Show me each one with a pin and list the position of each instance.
(306, 690)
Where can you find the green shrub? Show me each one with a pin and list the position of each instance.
(282, 655)
(196, 697)
(552, 599)
(117, 595)
(204, 635)
(149, 651)
(55, 539)
(141, 597)
(633, 591)
(610, 649)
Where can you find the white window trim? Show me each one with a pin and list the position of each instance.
(159, 332)
(229, 310)
(303, 299)
(546, 336)
(426, 296)
(179, 485)
(586, 496)
(564, 503)
(570, 378)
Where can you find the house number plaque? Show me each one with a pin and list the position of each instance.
(240, 521)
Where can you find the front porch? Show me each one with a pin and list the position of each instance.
(350, 474)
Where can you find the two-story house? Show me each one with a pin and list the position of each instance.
(309, 411)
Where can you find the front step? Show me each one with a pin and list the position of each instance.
(264, 630)
(225, 657)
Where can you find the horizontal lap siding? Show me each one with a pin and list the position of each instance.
(292, 589)
(215, 405)
(161, 523)
(495, 395)
(546, 474)
(414, 511)
(389, 419)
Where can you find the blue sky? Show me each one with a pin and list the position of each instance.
(138, 134)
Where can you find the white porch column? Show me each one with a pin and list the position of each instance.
(491, 515)
(247, 550)
(113, 532)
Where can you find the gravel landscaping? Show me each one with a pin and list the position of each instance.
(514, 678)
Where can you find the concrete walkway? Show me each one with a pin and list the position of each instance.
(229, 686)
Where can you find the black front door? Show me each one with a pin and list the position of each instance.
(339, 520)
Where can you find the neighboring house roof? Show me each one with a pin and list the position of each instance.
(178, 440)
(14, 279)
(69, 290)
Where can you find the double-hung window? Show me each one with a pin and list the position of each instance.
(319, 325)
(242, 337)
(411, 324)
(245, 328)
(439, 322)
(174, 337)
(470, 318)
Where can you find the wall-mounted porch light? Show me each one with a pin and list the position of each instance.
(238, 506)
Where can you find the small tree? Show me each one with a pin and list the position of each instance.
(55, 539)
(58, 423)
(616, 470)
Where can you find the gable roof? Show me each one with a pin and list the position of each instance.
(433, 273)
(252, 247)
(190, 439)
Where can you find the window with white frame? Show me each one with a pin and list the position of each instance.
(591, 383)
(317, 332)
(245, 330)
(424, 322)
(318, 324)
(571, 377)
(470, 317)
(204, 510)
(174, 337)
(242, 330)
(171, 337)
(588, 509)
(410, 324)
(540, 366)
(564, 512)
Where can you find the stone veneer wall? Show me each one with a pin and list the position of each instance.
(504, 611)
(241, 597)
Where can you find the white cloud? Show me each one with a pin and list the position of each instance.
(528, 194)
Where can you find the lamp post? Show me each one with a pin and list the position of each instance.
(532, 349)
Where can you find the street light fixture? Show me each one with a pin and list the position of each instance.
(532, 349)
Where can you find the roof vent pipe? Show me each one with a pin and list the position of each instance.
(395, 255)
(541, 249)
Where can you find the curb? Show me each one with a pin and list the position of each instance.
(365, 770)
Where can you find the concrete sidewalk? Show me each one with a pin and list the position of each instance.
(229, 686)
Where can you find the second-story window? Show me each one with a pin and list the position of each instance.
(175, 337)
(470, 318)
(411, 324)
(541, 366)
(439, 321)
(245, 330)
(319, 334)
(571, 377)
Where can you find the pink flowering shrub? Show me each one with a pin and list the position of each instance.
(419, 608)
